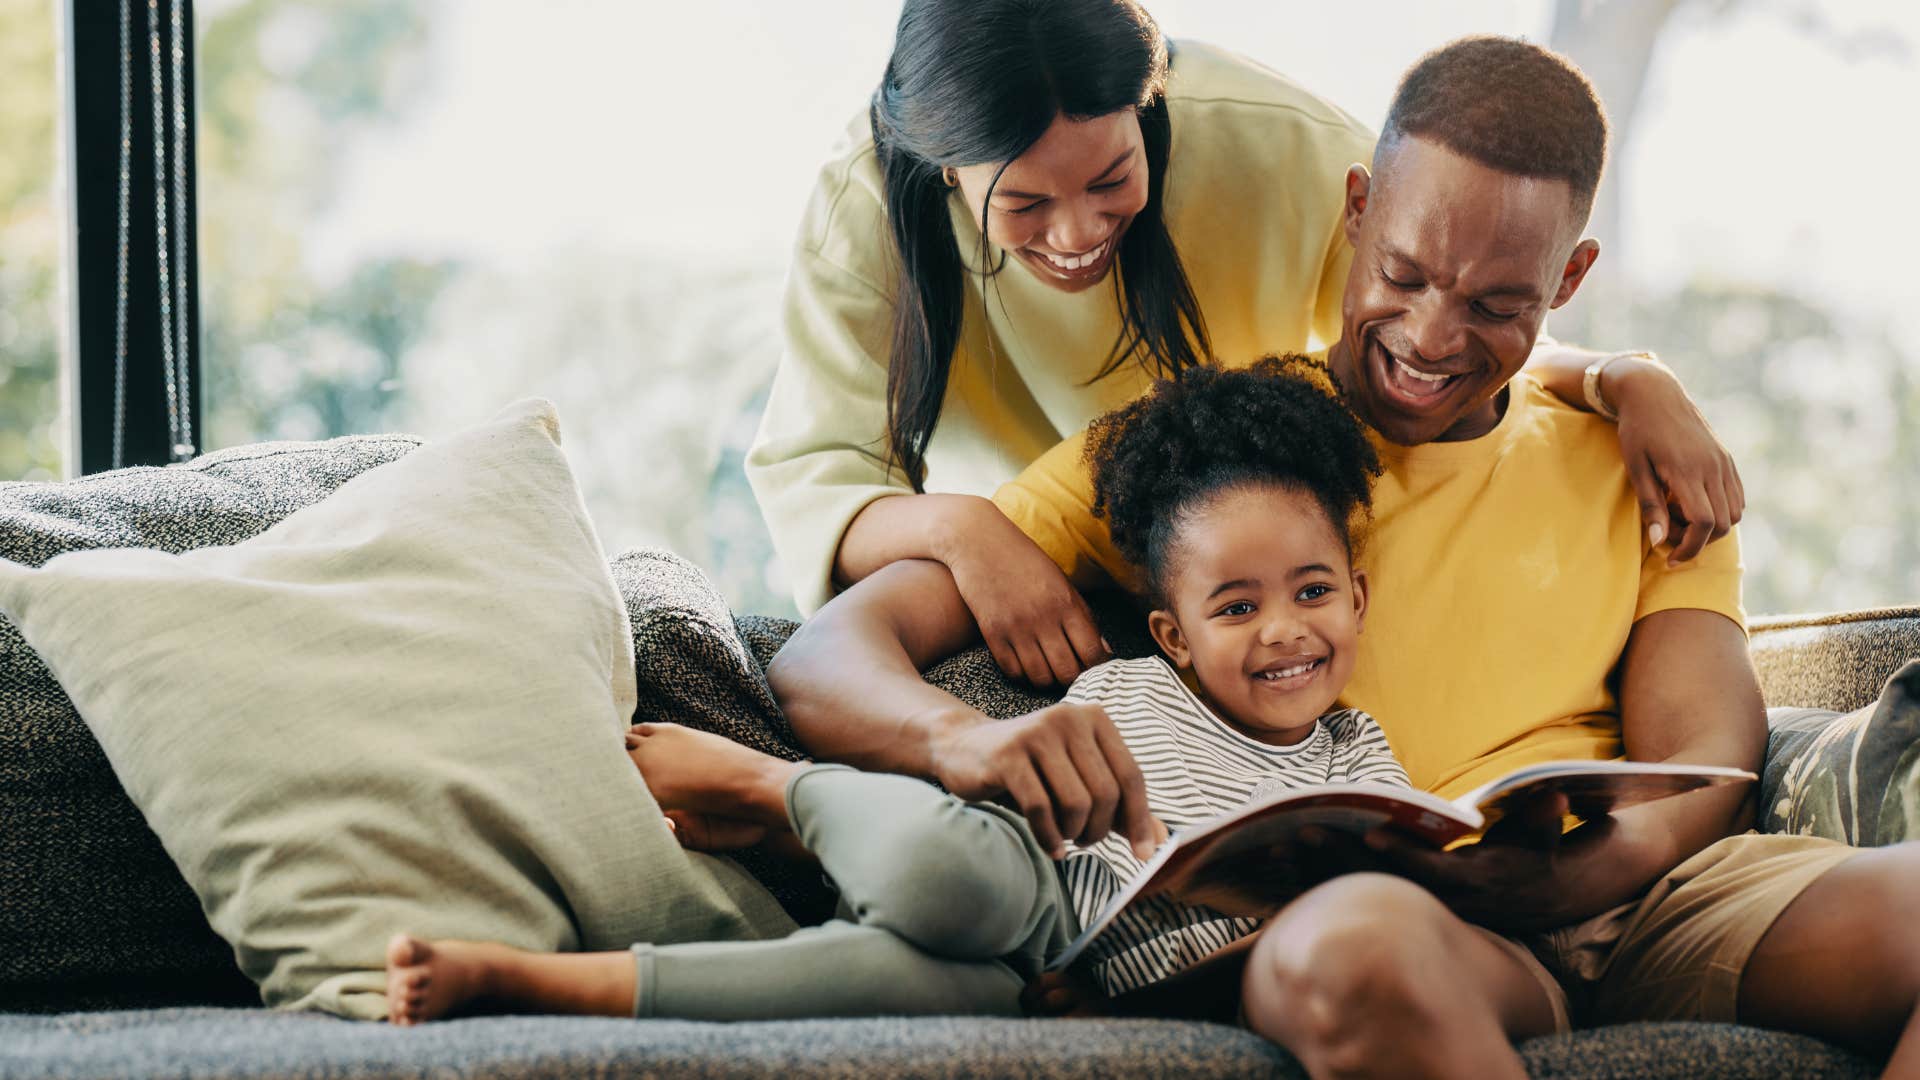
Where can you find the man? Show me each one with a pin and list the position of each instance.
(1518, 615)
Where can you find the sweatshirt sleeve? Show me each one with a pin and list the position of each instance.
(821, 455)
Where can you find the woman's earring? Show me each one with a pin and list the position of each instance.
(950, 176)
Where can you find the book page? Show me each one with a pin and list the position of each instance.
(1241, 864)
(1597, 788)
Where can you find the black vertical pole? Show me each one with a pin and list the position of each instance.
(94, 83)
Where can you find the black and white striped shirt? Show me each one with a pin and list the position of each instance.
(1196, 768)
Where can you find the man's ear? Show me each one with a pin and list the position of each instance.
(1359, 599)
(1166, 633)
(1359, 186)
(1576, 269)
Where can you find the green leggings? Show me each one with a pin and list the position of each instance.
(948, 907)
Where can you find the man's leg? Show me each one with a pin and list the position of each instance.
(1842, 961)
(1369, 975)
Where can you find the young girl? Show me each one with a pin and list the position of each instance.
(1238, 491)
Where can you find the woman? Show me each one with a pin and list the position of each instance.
(1044, 209)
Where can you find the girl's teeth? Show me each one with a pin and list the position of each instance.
(1273, 676)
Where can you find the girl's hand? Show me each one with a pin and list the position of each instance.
(1689, 490)
(1061, 993)
(1034, 621)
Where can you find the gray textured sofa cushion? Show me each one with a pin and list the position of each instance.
(209, 1043)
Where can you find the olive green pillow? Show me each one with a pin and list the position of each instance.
(1847, 776)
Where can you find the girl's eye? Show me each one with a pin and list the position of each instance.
(1314, 592)
(1237, 608)
(1113, 185)
(1023, 209)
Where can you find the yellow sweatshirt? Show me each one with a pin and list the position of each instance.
(1254, 188)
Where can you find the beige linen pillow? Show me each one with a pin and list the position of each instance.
(398, 709)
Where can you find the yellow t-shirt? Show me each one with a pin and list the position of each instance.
(1254, 186)
(1504, 576)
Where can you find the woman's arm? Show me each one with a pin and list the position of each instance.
(1671, 453)
(1033, 620)
(849, 682)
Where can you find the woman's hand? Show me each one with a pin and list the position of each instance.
(1066, 768)
(1689, 490)
(1034, 621)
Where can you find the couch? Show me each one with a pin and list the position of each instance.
(107, 966)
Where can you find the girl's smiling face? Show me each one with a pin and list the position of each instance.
(1062, 207)
(1263, 604)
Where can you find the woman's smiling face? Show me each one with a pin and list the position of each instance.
(1062, 207)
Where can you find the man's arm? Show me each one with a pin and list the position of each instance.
(849, 679)
(1688, 694)
(849, 682)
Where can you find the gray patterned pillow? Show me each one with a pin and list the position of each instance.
(1852, 776)
(96, 913)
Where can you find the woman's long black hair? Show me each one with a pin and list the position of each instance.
(973, 81)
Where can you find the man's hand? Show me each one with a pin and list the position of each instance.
(1033, 620)
(1689, 490)
(1525, 873)
(1065, 766)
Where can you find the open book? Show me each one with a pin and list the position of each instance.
(1236, 863)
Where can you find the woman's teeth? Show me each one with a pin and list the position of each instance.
(1079, 262)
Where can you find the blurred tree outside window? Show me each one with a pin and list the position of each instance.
(415, 211)
(31, 423)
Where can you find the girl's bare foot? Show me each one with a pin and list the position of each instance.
(710, 775)
(427, 980)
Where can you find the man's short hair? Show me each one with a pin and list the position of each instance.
(1506, 103)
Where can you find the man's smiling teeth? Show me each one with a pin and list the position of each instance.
(1423, 377)
(1079, 262)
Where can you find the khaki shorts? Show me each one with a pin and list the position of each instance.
(1677, 953)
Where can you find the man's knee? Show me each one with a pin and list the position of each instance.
(1887, 903)
(1353, 954)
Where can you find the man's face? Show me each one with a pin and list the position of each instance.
(1455, 265)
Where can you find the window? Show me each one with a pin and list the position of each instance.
(31, 425)
(413, 212)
